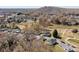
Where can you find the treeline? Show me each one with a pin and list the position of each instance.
(58, 19)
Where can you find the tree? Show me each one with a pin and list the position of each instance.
(19, 13)
(55, 33)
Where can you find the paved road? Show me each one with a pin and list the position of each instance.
(67, 47)
(10, 30)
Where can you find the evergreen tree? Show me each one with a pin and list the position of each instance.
(55, 34)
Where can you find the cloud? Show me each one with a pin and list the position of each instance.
(39, 2)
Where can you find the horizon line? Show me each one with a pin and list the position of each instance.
(5, 7)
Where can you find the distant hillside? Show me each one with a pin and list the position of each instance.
(64, 16)
(49, 10)
(16, 10)
(44, 10)
(46, 15)
(56, 10)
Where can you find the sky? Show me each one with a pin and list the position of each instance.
(20, 6)
(37, 3)
(37, 6)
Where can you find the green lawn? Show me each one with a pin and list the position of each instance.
(57, 48)
(74, 41)
(63, 27)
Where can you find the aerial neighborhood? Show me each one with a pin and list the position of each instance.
(44, 29)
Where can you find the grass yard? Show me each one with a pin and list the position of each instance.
(57, 48)
(74, 41)
(63, 27)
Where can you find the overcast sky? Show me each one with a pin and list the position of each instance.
(37, 3)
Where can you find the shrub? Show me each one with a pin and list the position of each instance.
(74, 30)
(3, 26)
(19, 13)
